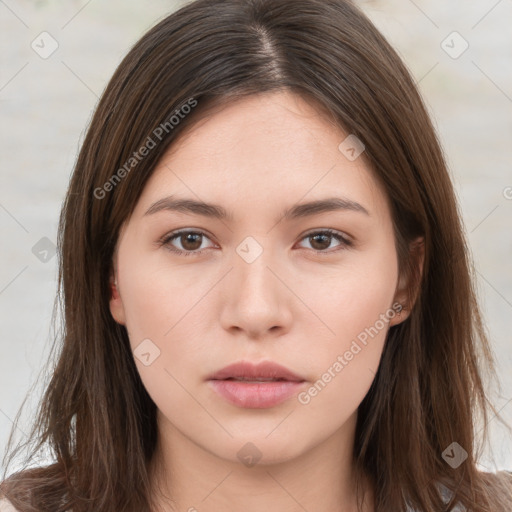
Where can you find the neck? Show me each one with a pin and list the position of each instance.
(187, 477)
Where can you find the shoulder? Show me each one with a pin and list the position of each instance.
(6, 506)
(499, 483)
(447, 495)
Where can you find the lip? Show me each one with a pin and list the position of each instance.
(264, 370)
(264, 385)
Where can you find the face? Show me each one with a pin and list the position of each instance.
(311, 290)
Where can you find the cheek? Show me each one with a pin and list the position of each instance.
(352, 297)
(158, 297)
(357, 309)
(162, 328)
(165, 309)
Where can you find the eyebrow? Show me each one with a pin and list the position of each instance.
(193, 207)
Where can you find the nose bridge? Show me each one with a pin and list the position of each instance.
(252, 260)
(256, 298)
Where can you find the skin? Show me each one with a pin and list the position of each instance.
(290, 305)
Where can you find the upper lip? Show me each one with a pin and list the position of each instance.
(264, 370)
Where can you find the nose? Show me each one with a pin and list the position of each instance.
(256, 300)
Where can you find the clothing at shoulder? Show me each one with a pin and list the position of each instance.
(446, 495)
(6, 506)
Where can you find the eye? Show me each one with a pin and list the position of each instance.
(190, 242)
(322, 240)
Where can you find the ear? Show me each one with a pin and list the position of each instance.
(411, 282)
(116, 303)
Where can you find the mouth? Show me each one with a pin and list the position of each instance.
(260, 379)
(263, 372)
(255, 386)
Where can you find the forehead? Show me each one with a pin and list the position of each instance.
(265, 150)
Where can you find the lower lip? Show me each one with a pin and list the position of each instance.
(255, 395)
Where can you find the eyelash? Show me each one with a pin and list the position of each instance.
(166, 239)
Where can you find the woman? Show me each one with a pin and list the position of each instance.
(318, 347)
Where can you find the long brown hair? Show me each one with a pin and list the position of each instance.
(96, 418)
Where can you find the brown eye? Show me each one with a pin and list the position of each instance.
(320, 241)
(190, 242)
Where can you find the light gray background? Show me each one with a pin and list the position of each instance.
(45, 105)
